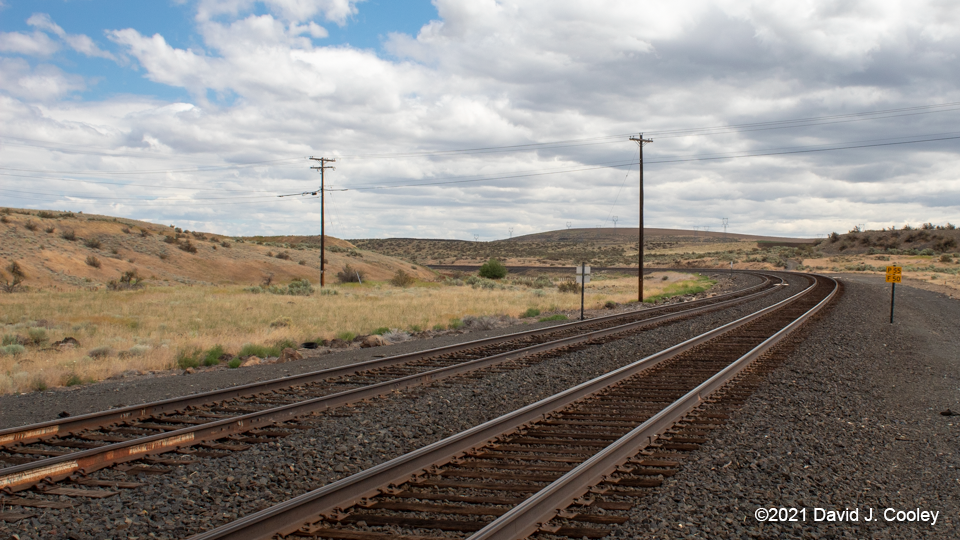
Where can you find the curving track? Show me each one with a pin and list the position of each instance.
(216, 423)
(565, 466)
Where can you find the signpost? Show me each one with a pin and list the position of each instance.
(583, 277)
(893, 277)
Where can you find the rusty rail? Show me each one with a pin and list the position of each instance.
(75, 424)
(329, 501)
(53, 469)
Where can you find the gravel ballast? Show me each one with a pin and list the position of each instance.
(200, 496)
(850, 421)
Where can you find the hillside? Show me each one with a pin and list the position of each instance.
(945, 239)
(601, 247)
(63, 250)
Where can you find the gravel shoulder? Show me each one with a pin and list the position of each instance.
(851, 420)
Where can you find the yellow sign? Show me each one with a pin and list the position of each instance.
(893, 274)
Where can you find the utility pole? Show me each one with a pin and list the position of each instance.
(323, 165)
(640, 142)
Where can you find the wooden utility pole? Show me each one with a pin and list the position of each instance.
(323, 165)
(640, 142)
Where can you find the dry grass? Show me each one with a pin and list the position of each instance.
(151, 326)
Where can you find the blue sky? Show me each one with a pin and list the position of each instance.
(174, 21)
(451, 118)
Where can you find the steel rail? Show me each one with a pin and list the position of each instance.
(70, 425)
(532, 514)
(287, 517)
(20, 477)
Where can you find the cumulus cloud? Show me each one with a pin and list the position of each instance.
(493, 73)
(42, 83)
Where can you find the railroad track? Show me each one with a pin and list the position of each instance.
(570, 465)
(215, 424)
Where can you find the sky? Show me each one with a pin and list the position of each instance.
(483, 118)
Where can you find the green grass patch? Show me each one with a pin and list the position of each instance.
(557, 317)
(212, 356)
(260, 351)
(346, 336)
(531, 312)
(381, 331)
(188, 358)
(682, 288)
(455, 324)
(235, 363)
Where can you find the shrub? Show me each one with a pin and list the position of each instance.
(13, 349)
(946, 258)
(235, 363)
(188, 246)
(328, 292)
(188, 358)
(30, 225)
(346, 336)
(212, 356)
(145, 233)
(4, 219)
(834, 237)
(455, 324)
(92, 243)
(39, 384)
(72, 380)
(16, 278)
(402, 279)
(129, 280)
(302, 262)
(557, 317)
(283, 255)
(43, 214)
(138, 350)
(531, 312)
(225, 244)
(68, 234)
(8, 339)
(439, 328)
(610, 304)
(99, 352)
(493, 269)
(350, 275)
(569, 287)
(163, 255)
(169, 239)
(381, 331)
(299, 287)
(542, 282)
(93, 261)
(481, 283)
(415, 328)
(38, 336)
(49, 230)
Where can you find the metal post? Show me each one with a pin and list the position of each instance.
(893, 292)
(583, 285)
(640, 140)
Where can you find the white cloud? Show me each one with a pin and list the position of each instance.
(42, 83)
(78, 42)
(35, 44)
(490, 73)
(337, 11)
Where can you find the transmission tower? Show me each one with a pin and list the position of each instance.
(569, 224)
(615, 218)
(511, 232)
(725, 221)
(476, 238)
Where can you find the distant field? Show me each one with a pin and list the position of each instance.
(147, 329)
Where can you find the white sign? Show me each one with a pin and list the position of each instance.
(583, 270)
(583, 275)
(581, 278)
